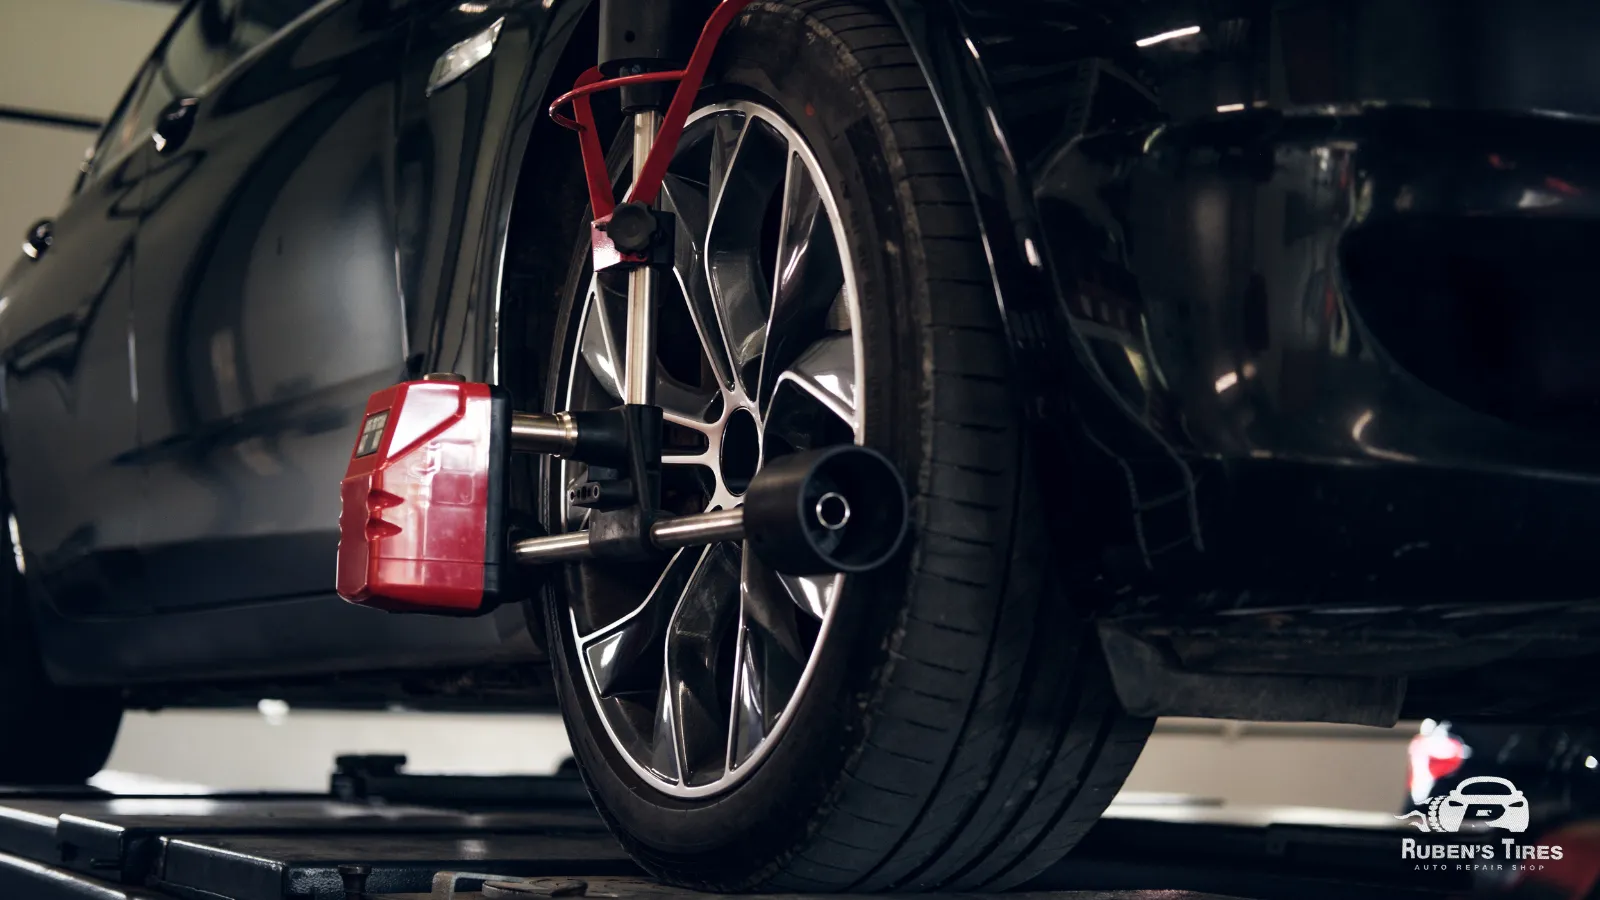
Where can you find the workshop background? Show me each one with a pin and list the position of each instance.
(63, 65)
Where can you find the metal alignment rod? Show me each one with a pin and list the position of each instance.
(552, 434)
(639, 375)
(667, 534)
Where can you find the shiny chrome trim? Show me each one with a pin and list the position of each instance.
(553, 434)
(702, 528)
(639, 378)
(672, 533)
(833, 511)
(16, 544)
(553, 548)
(463, 56)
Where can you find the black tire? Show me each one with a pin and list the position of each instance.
(961, 732)
(52, 735)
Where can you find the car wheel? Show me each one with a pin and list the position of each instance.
(943, 723)
(53, 735)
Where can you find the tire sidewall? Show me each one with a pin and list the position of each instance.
(82, 722)
(774, 55)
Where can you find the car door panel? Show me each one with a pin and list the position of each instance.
(267, 305)
(267, 309)
(66, 402)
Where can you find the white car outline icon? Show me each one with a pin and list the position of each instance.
(1514, 806)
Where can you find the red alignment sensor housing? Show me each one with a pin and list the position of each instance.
(422, 504)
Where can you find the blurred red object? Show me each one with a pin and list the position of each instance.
(1435, 753)
(1572, 877)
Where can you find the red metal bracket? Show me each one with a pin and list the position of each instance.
(647, 187)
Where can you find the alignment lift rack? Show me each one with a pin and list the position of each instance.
(383, 834)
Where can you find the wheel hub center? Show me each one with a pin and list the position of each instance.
(741, 450)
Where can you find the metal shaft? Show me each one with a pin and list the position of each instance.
(667, 534)
(639, 381)
(550, 434)
(696, 530)
(553, 548)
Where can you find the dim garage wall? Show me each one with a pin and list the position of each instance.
(63, 66)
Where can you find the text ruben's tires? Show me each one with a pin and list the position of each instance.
(945, 722)
(48, 734)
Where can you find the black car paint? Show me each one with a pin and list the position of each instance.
(1298, 432)
(326, 229)
(1081, 150)
(66, 369)
(257, 333)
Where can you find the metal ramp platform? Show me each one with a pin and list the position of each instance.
(389, 835)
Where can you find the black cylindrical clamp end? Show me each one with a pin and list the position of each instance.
(837, 509)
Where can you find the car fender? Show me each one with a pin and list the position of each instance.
(1010, 84)
(462, 152)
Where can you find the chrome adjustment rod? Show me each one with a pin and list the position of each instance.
(837, 509)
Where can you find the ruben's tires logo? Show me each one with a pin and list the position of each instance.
(1478, 804)
(1487, 801)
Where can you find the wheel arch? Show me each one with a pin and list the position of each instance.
(463, 328)
(545, 194)
(1007, 130)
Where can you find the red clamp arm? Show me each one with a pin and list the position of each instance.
(647, 187)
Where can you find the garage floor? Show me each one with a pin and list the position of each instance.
(1250, 764)
(75, 843)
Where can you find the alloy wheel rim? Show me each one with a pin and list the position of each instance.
(777, 323)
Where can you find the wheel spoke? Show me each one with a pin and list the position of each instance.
(681, 404)
(694, 682)
(600, 348)
(667, 744)
(812, 593)
(809, 276)
(769, 660)
(691, 205)
(726, 131)
(599, 345)
(613, 652)
(686, 408)
(695, 734)
(703, 458)
(739, 292)
(827, 372)
(682, 419)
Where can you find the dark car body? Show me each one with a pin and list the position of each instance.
(1297, 305)
(185, 364)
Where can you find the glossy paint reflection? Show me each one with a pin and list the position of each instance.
(1313, 259)
(259, 336)
(184, 368)
(66, 405)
